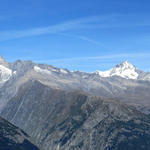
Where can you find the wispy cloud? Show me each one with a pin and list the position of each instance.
(103, 57)
(105, 21)
(62, 27)
(84, 38)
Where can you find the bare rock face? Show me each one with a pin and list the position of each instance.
(123, 82)
(66, 110)
(77, 121)
(12, 138)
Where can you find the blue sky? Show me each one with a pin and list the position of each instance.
(84, 35)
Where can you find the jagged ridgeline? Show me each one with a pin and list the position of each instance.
(65, 110)
(124, 82)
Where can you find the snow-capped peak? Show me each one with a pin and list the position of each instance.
(124, 70)
(125, 65)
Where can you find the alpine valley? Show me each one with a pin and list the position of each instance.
(73, 110)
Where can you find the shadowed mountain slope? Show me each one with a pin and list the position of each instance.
(62, 120)
(12, 138)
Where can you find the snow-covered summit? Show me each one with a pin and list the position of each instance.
(125, 70)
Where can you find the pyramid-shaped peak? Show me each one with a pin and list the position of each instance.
(125, 64)
(124, 70)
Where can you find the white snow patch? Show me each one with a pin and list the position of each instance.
(63, 71)
(43, 71)
(15, 72)
(103, 74)
(5, 74)
(54, 70)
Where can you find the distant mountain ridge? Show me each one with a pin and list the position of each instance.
(124, 82)
(125, 70)
(73, 110)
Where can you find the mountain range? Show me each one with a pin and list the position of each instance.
(71, 110)
(124, 82)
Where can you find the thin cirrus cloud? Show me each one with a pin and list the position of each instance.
(105, 21)
(62, 27)
(103, 57)
(84, 38)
